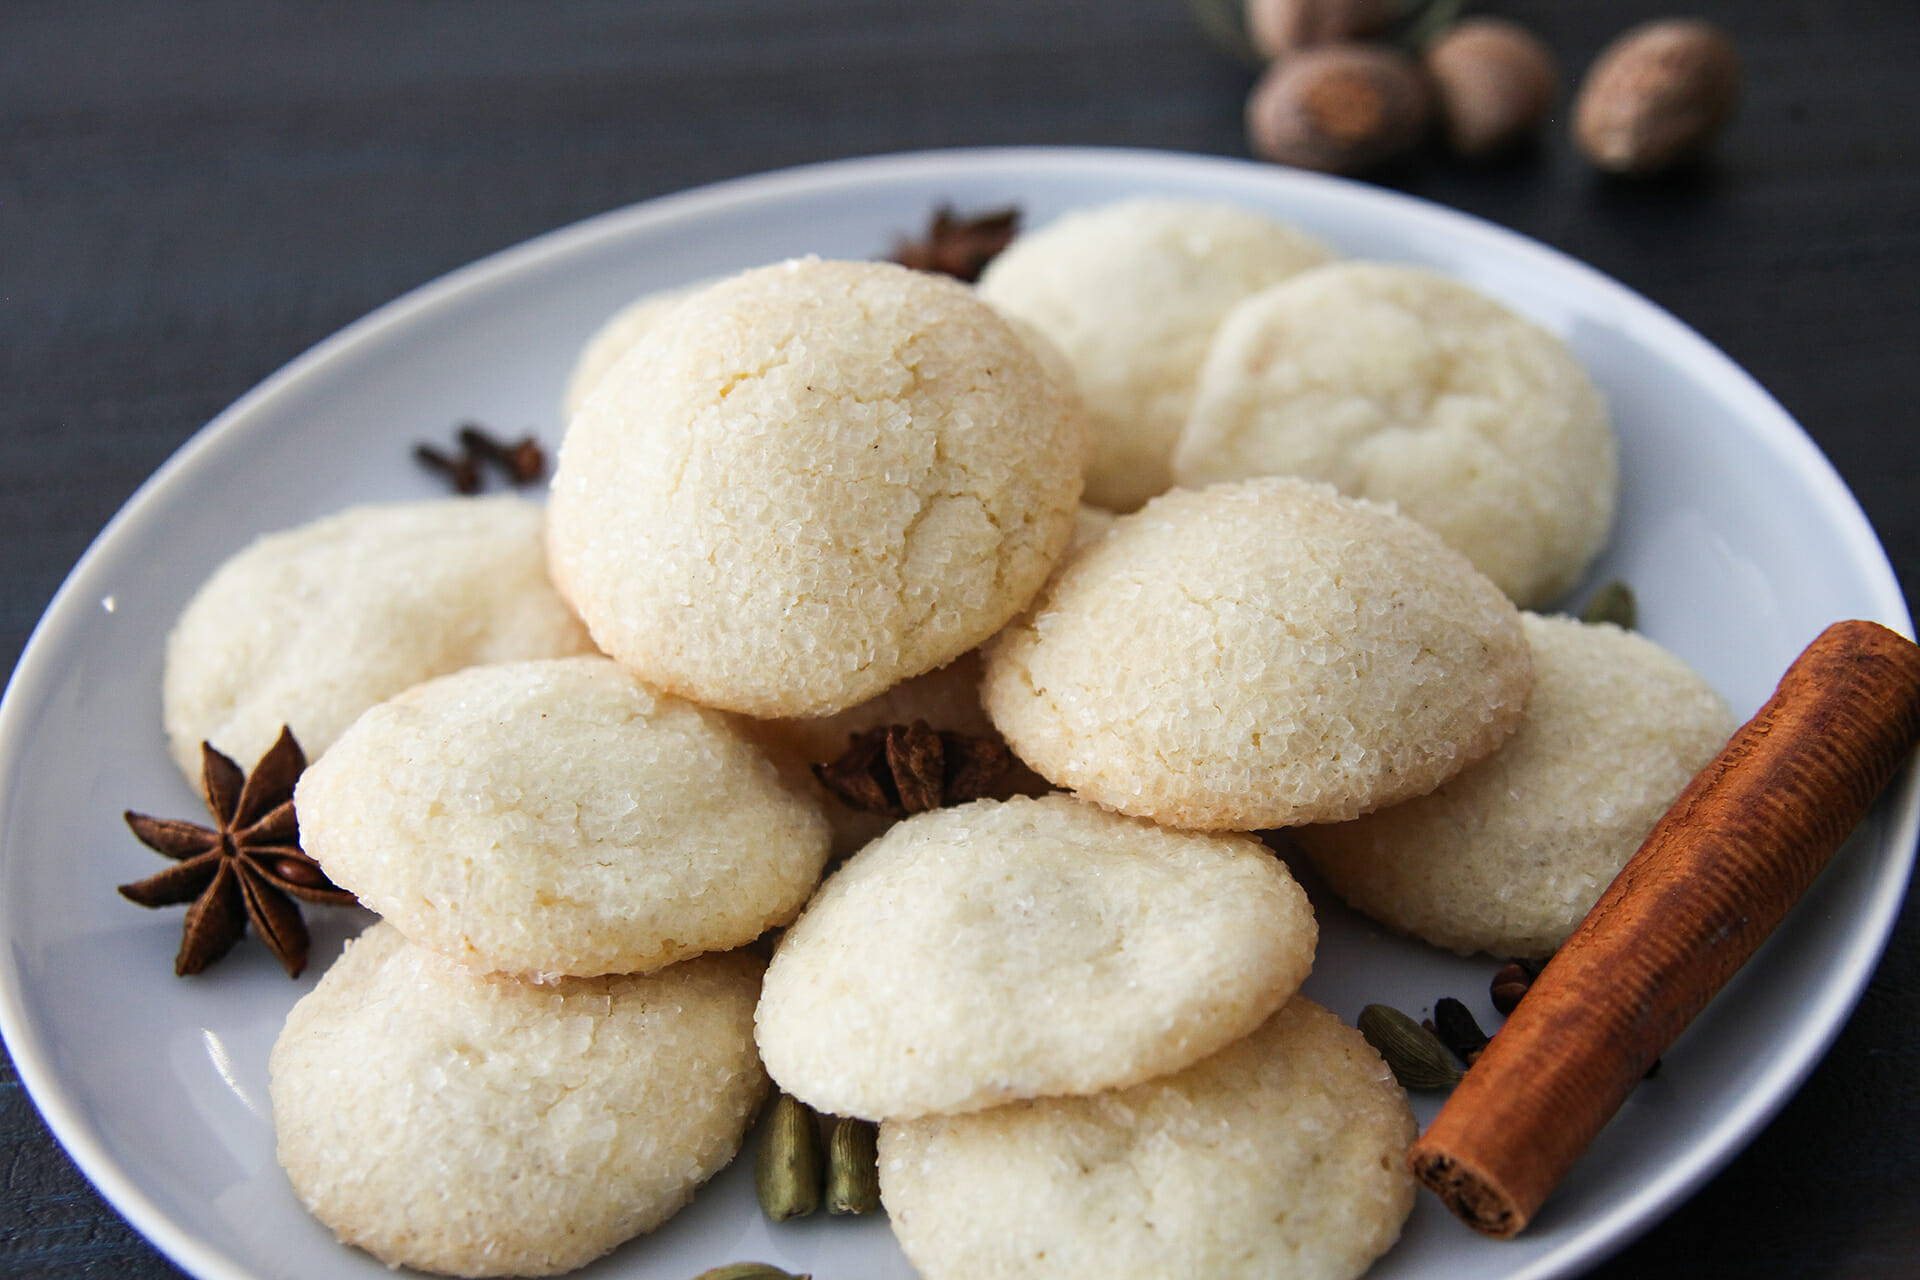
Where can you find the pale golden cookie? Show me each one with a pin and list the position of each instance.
(612, 339)
(1258, 655)
(480, 1126)
(1508, 857)
(1131, 292)
(1012, 949)
(821, 479)
(311, 626)
(560, 817)
(1397, 384)
(1282, 1155)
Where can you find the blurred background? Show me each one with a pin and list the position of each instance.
(192, 192)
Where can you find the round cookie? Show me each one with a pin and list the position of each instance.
(1131, 292)
(1508, 857)
(560, 817)
(1400, 385)
(310, 626)
(611, 340)
(821, 479)
(1010, 949)
(1282, 1155)
(1258, 655)
(478, 1126)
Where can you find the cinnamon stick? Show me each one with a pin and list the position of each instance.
(1717, 873)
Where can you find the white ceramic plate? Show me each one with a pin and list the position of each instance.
(1737, 535)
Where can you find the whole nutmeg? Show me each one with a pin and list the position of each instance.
(1339, 108)
(1494, 82)
(1657, 96)
(1279, 27)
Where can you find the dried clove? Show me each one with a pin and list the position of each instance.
(522, 461)
(460, 470)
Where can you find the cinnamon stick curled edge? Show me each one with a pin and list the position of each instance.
(1739, 846)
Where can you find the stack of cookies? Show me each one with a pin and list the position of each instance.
(547, 1044)
(820, 497)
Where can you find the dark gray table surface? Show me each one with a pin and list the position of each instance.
(192, 193)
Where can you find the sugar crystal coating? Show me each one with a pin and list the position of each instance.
(310, 626)
(481, 1126)
(1284, 1154)
(820, 479)
(1000, 950)
(1509, 856)
(560, 817)
(1131, 292)
(1404, 386)
(1257, 655)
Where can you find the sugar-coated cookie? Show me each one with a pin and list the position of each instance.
(1131, 292)
(1508, 857)
(479, 1126)
(1397, 384)
(1281, 1155)
(1256, 655)
(822, 478)
(560, 817)
(310, 626)
(1001, 950)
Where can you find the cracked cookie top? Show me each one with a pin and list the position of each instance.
(821, 478)
(1394, 383)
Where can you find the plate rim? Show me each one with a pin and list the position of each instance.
(1621, 1223)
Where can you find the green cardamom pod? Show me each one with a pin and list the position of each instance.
(1418, 1059)
(1613, 603)
(786, 1175)
(853, 1167)
(749, 1271)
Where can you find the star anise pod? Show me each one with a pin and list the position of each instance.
(241, 869)
(910, 768)
(957, 246)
